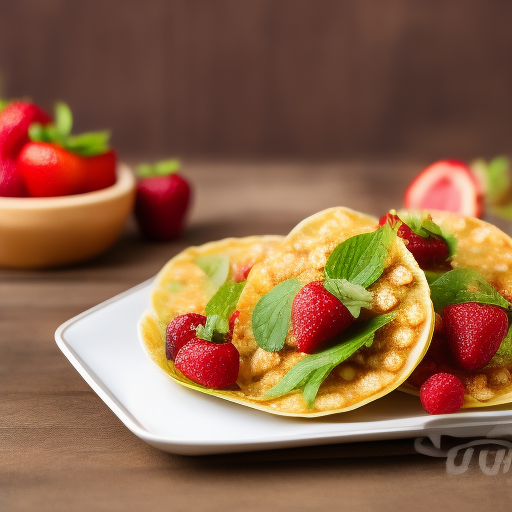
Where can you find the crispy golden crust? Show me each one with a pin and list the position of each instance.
(484, 247)
(372, 372)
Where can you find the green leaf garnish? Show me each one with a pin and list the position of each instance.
(271, 315)
(163, 168)
(353, 296)
(213, 330)
(425, 227)
(3, 104)
(58, 132)
(224, 302)
(309, 373)
(215, 267)
(361, 259)
(432, 275)
(464, 285)
(495, 177)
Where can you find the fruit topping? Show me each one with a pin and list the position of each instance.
(162, 201)
(11, 180)
(213, 365)
(317, 316)
(442, 393)
(233, 319)
(180, 331)
(424, 239)
(474, 332)
(445, 185)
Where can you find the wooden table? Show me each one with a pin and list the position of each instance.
(62, 449)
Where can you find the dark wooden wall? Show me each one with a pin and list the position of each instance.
(267, 78)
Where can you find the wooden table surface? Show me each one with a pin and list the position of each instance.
(62, 449)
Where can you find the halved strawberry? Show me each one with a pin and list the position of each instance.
(317, 316)
(180, 331)
(447, 185)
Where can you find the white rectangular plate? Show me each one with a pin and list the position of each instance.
(103, 346)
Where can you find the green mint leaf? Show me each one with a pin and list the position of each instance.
(464, 285)
(63, 119)
(310, 372)
(432, 276)
(353, 296)
(361, 258)
(215, 267)
(505, 350)
(213, 330)
(87, 144)
(224, 302)
(271, 315)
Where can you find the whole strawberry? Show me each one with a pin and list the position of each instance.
(15, 121)
(474, 332)
(428, 251)
(57, 163)
(180, 331)
(442, 393)
(11, 179)
(317, 316)
(162, 201)
(213, 365)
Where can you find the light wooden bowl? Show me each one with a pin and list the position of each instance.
(53, 231)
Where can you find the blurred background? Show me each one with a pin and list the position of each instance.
(265, 79)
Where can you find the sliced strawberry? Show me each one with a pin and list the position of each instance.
(49, 170)
(442, 394)
(317, 316)
(11, 180)
(100, 171)
(213, 365)
(240, 272)
(446, 185)
(180, 331)
(15, 120)
(474, 332)
(233, 319)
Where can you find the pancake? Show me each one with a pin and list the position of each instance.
(485, 248)
(183, 286)
(372, 371)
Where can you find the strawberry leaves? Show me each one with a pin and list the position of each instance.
(464, 285)
(271, 315)
(353, 296)
(309, 373)
(59, 132)
(162, 168)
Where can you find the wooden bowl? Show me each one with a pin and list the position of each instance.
(38, 232)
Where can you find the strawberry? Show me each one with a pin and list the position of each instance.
(317, 316)
(240, 272)
(233, 319)
(100, 171)
(442, 393)
(49, 170)
(474, 332)
(446, 185)
(429, 251)
(11, 180)
(162, 200)
(213, 365)
(15, 120)
(180, 331)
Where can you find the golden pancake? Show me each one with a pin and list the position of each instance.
(372, 371)
(485, 248)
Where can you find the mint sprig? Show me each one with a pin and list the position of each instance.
(464, 285)
(59, 132)
(353, 296)
(215, 267)
(360, 259)
(271, 315)
(309, 373)
(218, 310)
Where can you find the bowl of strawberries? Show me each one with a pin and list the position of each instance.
(63, 198)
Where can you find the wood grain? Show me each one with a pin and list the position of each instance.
(62, 449)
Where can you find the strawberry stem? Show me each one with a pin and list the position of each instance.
(162, 168)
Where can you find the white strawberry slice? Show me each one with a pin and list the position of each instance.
(446, 185)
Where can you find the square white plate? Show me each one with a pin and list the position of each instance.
(102, 344)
